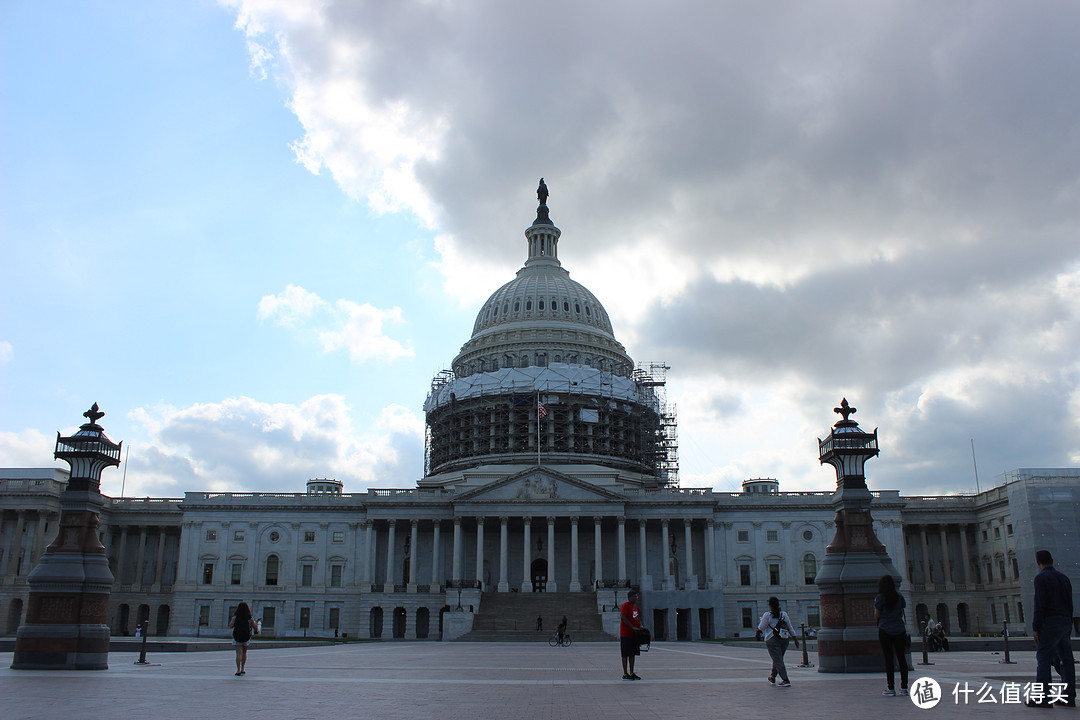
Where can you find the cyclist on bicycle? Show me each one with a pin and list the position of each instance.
(561, 630)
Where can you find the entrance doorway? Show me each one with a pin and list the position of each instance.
(682, 623)
(539, 575)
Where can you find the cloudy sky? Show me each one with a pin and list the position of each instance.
(254, 230)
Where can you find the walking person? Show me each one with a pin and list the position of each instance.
(629, 624)
(242, 626)
(892, 633)
(1052, 624)
(778, 631)
(539, 623)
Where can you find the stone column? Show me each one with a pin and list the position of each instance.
(39, 539)
(945, 563)
(551, 584)
(436, 557)
(15, 547)
(710, 554)
(575, 582)
(621, 538)
(141, 556)
(690, 577)
(414, 539)
(159, 561)
(665, 545)
(928, 576)
(455, 575)
(121, 555)
(598, 551)
(504, 553)
(480, 553)
(391, 572)
(369, 555)
(643, 580)
(526, 570)
(964, 556)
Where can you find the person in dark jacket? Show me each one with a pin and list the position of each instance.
(1052, 625)
(892, 632)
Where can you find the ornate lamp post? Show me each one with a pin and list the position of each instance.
(67, 614)
(855, 559)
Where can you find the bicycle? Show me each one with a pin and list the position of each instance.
(553, 641)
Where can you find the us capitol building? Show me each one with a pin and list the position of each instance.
(550, 487)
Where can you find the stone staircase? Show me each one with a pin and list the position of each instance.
(511, 617)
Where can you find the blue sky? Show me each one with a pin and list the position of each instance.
(253, 231)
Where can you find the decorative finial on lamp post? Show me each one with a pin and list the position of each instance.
(844, 409)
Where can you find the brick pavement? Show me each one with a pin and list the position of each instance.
(478, 681)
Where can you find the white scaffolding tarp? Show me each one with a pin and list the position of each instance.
(555, 379)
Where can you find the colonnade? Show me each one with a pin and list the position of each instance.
(538, 540)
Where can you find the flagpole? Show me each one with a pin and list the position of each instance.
(538, 427)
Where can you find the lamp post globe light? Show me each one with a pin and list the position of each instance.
(66, 624)
(855, 559)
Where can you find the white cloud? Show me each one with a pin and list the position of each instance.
(345, 325)
(26, 448)
(7, 351)
(241, 444)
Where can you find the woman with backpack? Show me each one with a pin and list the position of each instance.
(892, 633)
(778, 631)
(242, 626)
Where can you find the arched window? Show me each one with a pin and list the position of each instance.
(809, 568)
(528, 304)
(565, 306)
(577, 308)
(541, 305)
(272, 565)
(517, 305)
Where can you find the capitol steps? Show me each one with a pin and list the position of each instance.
(511, 617)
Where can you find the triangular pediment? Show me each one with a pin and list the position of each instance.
(539, 485)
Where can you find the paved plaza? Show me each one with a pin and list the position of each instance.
(477, 681)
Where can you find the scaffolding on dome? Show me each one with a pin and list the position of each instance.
(588, 415)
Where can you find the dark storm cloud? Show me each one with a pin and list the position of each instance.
(879, 198)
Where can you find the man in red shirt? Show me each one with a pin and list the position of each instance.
(629, 624)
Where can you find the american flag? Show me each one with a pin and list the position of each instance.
(541, 409)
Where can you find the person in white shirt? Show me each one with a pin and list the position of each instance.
(778, 631)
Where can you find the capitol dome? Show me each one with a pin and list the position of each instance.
(542, 380)
(542, 317)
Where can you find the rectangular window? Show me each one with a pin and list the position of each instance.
(339, 536)
(1016, 569)
(1007, 618)
(204, 615)
(744, 574)
(772, 536)
(305, 576)
(335, 618)
(743, 535)
(989, 573)
(238, 536)
(748, 618)
(305, 617)
(208, 573)
(309, 536)
(813, 616)
(1001, 570)
(774, 574)
(211, 535)
(997, 533)
(1009, 530)
(269, 615)
(335, 576)
(985, 536)
(237, 569)
(1020, 610)
(993, 612)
